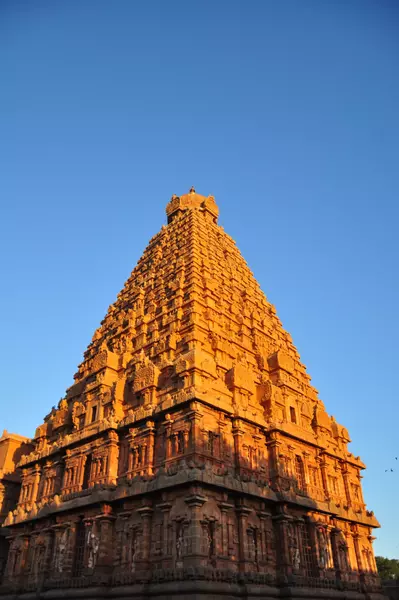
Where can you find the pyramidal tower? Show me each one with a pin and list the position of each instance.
(191, 455)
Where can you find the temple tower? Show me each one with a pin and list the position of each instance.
(191, 455)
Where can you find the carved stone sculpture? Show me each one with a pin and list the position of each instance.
(93, 545)
(61, 551)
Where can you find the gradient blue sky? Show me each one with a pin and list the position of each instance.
(286, 111)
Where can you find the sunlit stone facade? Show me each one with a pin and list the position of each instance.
(191, 456)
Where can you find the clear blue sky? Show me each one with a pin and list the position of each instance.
(286, 111)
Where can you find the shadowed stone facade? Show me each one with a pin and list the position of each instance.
(12, 448)
(191, 456)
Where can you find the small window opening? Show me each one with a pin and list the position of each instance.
(94, 414)
(292, 414)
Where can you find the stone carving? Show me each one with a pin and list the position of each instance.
(324, 555)
(77, 413)
(10, 518)
(179, 547)
(294, 549)
(296, 558)
(135, 552)
(240, 376)
(93, 544)
(61, 551)
(146, 376)
(41, 431)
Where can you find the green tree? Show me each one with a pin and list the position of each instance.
(388, 568)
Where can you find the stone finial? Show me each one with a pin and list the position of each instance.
(191, 201)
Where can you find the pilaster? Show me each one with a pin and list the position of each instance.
(195, 501)
(145, 513)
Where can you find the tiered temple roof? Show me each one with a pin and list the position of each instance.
(192, 378)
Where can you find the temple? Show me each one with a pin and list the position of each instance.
(191, 456)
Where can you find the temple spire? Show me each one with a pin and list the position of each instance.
(191, 201)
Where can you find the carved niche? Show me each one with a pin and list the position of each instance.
(78, 415)
(270, 397)
(240, 376)
(146, 376)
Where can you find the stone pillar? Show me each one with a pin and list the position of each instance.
(292, 474)
(360, 566)
(121, 558)
(314, 544)
(237, 435)
(48, 556)
(80, 472)
(264, 516)
(104, 529)
(222, 426)
(225, 507)
(60, 467)
(335, 538)
(281, 522)
(165, 508)
(186, 440)
(196, 417)
(46, 485)
(36, 482)
(273, 457)
(323, 469)
(150, 446)
(371, 539)
(146, 515)
(344, 468)
(242, 516)
(306, 469)
(195, 501)
(174, 444)
(130, 459)
(113, 456)
(168, 429)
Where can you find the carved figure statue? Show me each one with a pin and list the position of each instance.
(208, 540)
(40, 557)
(324, 555)
(75, 421)
(296, 558)
(179, 544)
(294, 550)
(135, 552)
(93, 543)
(61, 551)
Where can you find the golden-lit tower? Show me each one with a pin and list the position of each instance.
(191, 447)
